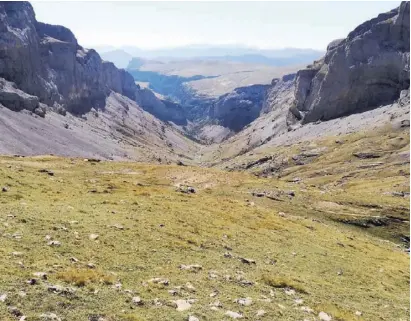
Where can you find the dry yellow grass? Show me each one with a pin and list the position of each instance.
(147, 229)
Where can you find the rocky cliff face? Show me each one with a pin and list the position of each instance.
(240, 107)
(368, 69)
(163, 109)
(46, 61)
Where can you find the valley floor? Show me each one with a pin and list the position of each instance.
(320, 236)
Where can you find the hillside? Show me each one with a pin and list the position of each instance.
(57, 97)
(126, 241)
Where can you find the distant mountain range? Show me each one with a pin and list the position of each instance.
(273, 57)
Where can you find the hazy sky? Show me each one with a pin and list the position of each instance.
(168, 24)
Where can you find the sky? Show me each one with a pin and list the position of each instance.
(264, 25)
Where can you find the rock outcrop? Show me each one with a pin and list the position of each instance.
(15, 99)
(46, 61)
(279, 94)
(164, 110)
(240, 107)
(366, 70)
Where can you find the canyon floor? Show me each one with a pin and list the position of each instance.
(322, 235)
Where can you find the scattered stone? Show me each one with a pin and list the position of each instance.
(41, 275)
(244, 301)
(186, 189)
(193, 318)
(32, 281)
(157, 302)
(50, 317)
(23, 318)
(183, 305)
(173, 292)
(60, 289)
(4, 189)
(190, 287)
(15, 311)
(212, 274)
(159, 281)
(17, 236)
(307, 309)
(372, 165)
(193, 267)
(400, 194)
(213, 294)
(366, 155)
(180, 163)
(93, 237)
(290, 193)
(54, 243)
(49, 172)
(47, 237)
(92, 160)
(299, 301)
(247, 261)
(260, 313)
(137, 300)
(234, 315)
(91, 265)
(358, 313)
(324, 316)
(228, 255)
(17, 253)
(3, 297)
(289, 291)
(118, 226)
(216, 304)
(73, 259)
(340, 272)
(246, 283)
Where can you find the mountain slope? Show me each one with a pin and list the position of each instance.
(90, 108)
(350, 89)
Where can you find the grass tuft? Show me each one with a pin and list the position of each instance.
(82, 277)
(283, 283)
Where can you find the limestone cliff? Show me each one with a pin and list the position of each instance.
(46, 61)
(366, 70)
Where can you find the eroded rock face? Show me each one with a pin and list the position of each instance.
(162, 109)
(280, 93)
(367, 69)
(15, 99)
(46, 61)
(240, 107)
